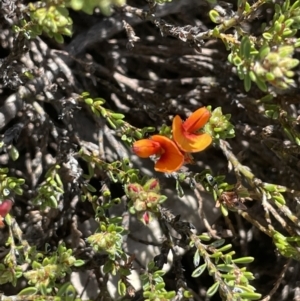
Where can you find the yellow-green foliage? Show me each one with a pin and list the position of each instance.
(88, 6)
(267, 60)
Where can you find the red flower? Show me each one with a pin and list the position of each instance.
(170, 157)
(186, 133)
(5, 207)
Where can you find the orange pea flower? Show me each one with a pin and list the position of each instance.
(170, 157)
(186, 133)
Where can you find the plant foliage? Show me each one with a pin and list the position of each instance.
(85, 175)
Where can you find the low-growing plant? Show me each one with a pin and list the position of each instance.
(266, 59)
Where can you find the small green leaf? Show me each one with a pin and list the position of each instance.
(91, 188)
(245, 47)
(287, 33)
(79, 263)
(20, 181)
(117, 115)
(279, 198)
(204, 237)
(88, 101)
(18, 191)
(267, 36)
(170, 295)
(264, 51)
(270, 76)
(225, 248)
(248, 275)
(224, 210)
(100, 101)
(58, 180)
(225, 267)
(213, 289)
(288, 22)
(70, 293)
(286, 5)
(159, 286)
(249, 296)
(269, 187)
(196, 258)
(159, 273)
(121, 288)
(197, 272)
(243, 260)
(52, 202)
(252, 75)
(229, 276)
(214, 16)
(218, 243)
(62, 290)
(247, 82)
(295, 5)
(216, 255)
(188, 295)
(77, 4)
(278, 26)
(28, 291)
(58, 38)
(261, 85)
(111, 123)
(43, 289)
(13, 153)
(108, 267)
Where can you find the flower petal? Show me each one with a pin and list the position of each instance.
(178, 132)
(197, 143)
(189, 142)
(145, 148)
(171, 159)
(197, 120)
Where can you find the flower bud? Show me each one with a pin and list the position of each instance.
(152, 185)
(5, 207)
(140, 205)
(153, 198)
(146, 218)
(133, 190)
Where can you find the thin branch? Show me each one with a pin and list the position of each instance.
(278, 281)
